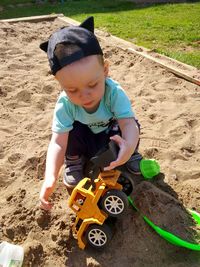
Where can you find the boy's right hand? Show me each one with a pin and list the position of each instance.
(54, 161)
(46, 191)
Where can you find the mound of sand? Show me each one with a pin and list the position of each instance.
(168, 110)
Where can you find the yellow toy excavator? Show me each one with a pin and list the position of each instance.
(103, 195)
(95, 199)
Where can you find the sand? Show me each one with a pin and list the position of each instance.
(168, 110)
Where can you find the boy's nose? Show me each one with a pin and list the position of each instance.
(85, 93)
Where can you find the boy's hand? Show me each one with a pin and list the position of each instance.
(124, 154)
(54, 161)
(46, 191)
(45, 205)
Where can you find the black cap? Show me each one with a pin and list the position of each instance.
(78, 41)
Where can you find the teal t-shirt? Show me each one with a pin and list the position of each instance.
(114, 104)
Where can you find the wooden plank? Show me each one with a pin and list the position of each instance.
(170, 68)
(33, 18)
(69, 21)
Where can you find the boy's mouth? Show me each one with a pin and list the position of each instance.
(88, 104)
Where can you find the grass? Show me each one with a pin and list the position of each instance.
(170, 29)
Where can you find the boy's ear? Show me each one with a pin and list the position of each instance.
(106, 68)
(44, 46)
(88, 24)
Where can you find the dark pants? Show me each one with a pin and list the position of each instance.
(83, 142)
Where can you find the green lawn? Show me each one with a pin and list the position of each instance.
(171, 29)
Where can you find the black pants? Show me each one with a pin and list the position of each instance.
(83, 142)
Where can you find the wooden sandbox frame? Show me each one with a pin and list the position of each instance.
(178, 68)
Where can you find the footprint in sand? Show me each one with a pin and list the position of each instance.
(152, 116)
(3, 92)
(192, 123)
(14, 66)
(17, 197)
(48, 88)
(35, 166)
(14, 158)
(1, 152)
(24, 96)
(151, 152)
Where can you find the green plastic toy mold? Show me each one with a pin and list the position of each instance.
(149, 168)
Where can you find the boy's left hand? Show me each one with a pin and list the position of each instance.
(125, 152)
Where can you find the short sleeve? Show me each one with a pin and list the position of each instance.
(119, 102)
(63, 115)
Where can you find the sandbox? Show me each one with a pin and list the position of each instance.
(167, 107)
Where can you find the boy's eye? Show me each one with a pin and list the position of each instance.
(92, 85)
(72, 91)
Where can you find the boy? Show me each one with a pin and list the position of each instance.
(91, 110)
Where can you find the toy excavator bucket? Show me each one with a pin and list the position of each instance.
(102, 159)
(106, 155)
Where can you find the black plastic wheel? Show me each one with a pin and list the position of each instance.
(114, 202)
(98, 236)
(127, 183)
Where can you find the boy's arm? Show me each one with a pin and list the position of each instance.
(127, 142)
(54, 161)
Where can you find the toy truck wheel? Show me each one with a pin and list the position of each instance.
(126, 181)
(114, 202)
(98, 235)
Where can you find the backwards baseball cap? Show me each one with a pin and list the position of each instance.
(75, 43)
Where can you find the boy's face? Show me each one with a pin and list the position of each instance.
(84, 82)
